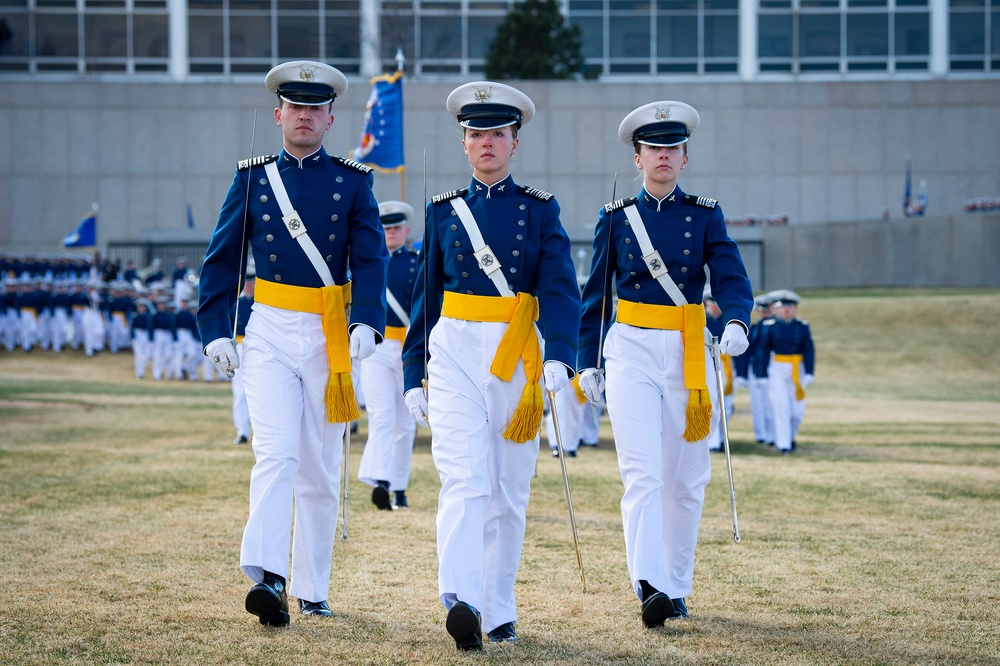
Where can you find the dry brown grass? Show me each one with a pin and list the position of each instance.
(877, 543)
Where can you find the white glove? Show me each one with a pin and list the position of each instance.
(362, 342)
(416, 402)
(807, 380)
(592, 384)
(555, 376)
(734, 340)
(225, 358)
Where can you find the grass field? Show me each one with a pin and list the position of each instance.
(122, 505)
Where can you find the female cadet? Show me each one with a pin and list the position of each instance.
(496, 258)
(661, 390)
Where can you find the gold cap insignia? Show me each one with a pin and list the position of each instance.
(307, 73)
(663, 114)
(483, 94)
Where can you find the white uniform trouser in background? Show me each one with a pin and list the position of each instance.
(569, 410)
(60, 329)
(485, 479)
(716, 440)
(187, 355)
(241, 413)
(590, 426)
(664, 475)
(142, 351)
(298, 452)
(786, 410)
(93, 331)
(163, 353)
(391, 428)
(760, 410)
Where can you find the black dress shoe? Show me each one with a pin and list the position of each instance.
(680, 610)
(656, 609)
(380, 496)
(315, 608)
(242, 439)
(503, 634)
(268, 600)
(465, 625)
(571, 454)
(401, 502)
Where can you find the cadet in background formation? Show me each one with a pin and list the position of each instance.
(310, 219)
(716, 326)
(244, 306)
(661, 389)
(760, 403)
(495, 257)
(385, 463)
(786, 361)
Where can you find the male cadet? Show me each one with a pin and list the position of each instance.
(385, 463)
(786, 361)
(310, 219)
(183, 287)
(142, 337)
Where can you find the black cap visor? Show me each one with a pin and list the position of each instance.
(662, 134)
(307, 94)
(489, 116)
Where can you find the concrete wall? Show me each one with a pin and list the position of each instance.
(956, 251)
(815, 151)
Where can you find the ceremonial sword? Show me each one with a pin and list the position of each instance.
(717, 358)
(565, 476)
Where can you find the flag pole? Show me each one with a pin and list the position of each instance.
(400, 67)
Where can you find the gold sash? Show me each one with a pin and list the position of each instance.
(796, 361)
(690, 321)
(331, 304)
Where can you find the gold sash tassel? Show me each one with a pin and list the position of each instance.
(690, 321)
(331, 304)
(519, 342)
(796, 361)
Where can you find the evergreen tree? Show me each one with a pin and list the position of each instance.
(533, 42)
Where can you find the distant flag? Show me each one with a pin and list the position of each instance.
(906, 193)
(190, 217)
(85, 234)
(381, 145)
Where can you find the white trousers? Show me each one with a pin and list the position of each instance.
(163, 353)
(391, 429)
(570, 413)
(142, 351)
(664, 475)
(485, 479)
(241, 413)
(760, 411)
(590, 428)
(716, 440)
(298, 452)
(786, 410)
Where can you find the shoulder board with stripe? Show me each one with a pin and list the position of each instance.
(357, 166)
(446, 196)
(704, 202)
(618, 205)
(535, 192)
(260, 160)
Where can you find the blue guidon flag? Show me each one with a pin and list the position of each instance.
(381, 144)
(85, 234)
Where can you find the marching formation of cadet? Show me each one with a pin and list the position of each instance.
(461, 337)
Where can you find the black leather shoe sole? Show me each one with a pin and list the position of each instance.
(656, 609)
(463, 624)
(265, 604)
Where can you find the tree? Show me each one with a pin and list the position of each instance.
(533, 42)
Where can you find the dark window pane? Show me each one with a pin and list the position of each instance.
(14, 39)
(592, 35)
(722, 36)
(629, 37)
(676, 37)
(913, 34)
(868, 34)
(258, 5)
(56, 35)
(298, 36)
(150, 36)
(995, 31)
(397, 32)
(819, 35)
(774, 36)
(250, 37)
(343, 37)
(441, 37)
(967, 34)
(482, 32)
(105, 36)
(205, 38)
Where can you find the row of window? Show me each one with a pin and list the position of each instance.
(698, 37)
